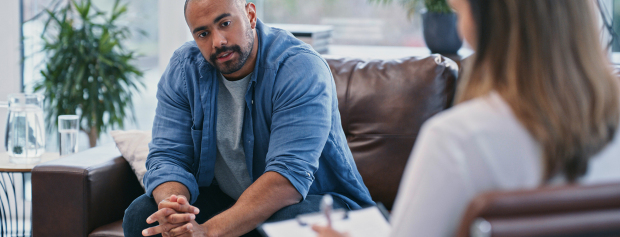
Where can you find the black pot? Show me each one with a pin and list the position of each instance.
(440, 32)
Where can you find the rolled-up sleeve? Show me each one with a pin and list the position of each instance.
(301, 119)
(171, 151)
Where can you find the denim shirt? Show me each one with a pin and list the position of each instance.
(291, 123)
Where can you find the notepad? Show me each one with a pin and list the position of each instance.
(360, 223)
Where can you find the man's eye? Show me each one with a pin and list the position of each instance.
(203, 34)
(227, 23)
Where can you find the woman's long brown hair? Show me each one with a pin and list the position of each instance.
(545, 58)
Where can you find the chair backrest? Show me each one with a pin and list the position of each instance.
(571, 210)
(383, 104)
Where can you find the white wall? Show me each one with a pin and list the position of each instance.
(10, 65)
(173, 30)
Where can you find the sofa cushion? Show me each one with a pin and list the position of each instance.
(134, 146)
(383, 104)
(114, 229)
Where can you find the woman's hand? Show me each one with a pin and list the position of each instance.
(326, 231)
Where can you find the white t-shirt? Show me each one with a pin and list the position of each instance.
(475, 147)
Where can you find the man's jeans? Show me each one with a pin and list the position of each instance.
(211, 202)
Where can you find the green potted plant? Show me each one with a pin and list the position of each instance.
(439, 23)
(88, 71)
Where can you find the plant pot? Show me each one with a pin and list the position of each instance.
(440, 33)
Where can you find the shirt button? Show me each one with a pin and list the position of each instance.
(308, 174)
(252, 101)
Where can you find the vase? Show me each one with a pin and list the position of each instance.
(440, 33)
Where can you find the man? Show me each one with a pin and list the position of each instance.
(247, 130)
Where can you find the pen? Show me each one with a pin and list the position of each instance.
(327, 204)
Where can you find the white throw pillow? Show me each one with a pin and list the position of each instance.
(134, 146)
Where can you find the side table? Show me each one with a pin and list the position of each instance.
(16, 195)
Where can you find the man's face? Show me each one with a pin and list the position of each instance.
(223, 32)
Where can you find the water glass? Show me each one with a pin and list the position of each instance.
(68, 129)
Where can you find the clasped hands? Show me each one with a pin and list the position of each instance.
(176, 217)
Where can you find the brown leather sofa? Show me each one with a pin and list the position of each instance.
(382, 103)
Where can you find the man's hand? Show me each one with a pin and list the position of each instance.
(173, 212)
(178, 203)
(191, 229)
(326, 231)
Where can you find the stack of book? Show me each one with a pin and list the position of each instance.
(318, 36)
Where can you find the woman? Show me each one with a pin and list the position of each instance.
(539, 105)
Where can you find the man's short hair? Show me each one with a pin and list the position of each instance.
(187, 1)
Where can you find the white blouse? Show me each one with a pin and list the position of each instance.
(475, 147)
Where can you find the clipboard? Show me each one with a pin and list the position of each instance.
(370, 221)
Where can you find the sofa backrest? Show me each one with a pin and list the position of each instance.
(383, 104)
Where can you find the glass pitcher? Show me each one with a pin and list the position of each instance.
(25, 129)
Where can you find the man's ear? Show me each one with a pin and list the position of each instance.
(250, 10)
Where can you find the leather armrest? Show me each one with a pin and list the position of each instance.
(74, 195)
(587, 223)
(569, 210)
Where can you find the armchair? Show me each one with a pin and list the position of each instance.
(573, 210)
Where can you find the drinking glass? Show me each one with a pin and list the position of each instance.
(68, 129)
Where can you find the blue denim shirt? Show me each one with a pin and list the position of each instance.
(291, 123)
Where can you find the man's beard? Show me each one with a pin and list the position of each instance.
(234, 66)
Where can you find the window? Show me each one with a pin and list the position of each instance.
(611, 8)
(616, 26)
(141, 13)
(142, 16)
(356, 22)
